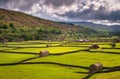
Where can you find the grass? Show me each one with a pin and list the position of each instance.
(52, 50)
(12, 58)
(82, 59)
(69, 61)
(111, 75)
(38, 72)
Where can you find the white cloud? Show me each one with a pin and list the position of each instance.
(35, 8)
(51, 10)
(81, 5)
(104, 22)
(112, 5)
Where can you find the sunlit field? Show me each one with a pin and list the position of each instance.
(20, 60)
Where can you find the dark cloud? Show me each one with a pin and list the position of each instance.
(58, 3)
(3, 3)
(22, 5)
(68, 9)
(89, 14)
(114, 15)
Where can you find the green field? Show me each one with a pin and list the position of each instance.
(19, 60)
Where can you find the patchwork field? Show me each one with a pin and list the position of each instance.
(71, 60)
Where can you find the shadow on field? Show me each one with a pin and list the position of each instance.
(76, 51)
(105, 52)
(52, 63)
(106, 70)
(89, 44)
(32, 43)
(26, 47)
(110, 48)
(112, 69)
(17, 52)
(20, 47)
(45, 46)
(74, 46)
(9, 64)
(59, 64)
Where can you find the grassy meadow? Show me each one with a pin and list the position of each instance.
(19, 60)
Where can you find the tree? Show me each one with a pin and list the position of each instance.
(4, 41)
(56, 31)
(4, 26)
(11, 25)
(113, 45)
(1, 17)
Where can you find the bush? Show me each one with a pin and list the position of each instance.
(56, 31)
(1, 17)
(4, 26)
(11, 25)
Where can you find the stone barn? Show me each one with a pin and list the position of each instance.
(94, 46)
(43, 53)
(95, 68)
(113, 45)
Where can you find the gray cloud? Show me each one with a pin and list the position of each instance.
(22, 5)
(90, 13)
(68, 9)
(3, 3)
(58, 3)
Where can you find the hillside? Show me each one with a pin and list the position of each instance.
(18, 26)
(98, 27)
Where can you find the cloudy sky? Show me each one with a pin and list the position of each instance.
(97, 11)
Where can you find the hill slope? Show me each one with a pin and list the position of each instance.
(112, 28)
(17, 26)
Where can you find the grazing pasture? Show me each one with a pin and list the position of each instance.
(20, 60)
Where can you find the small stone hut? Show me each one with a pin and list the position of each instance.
(95, 68)
(94, 46)
(113, 45)
(43, 53)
